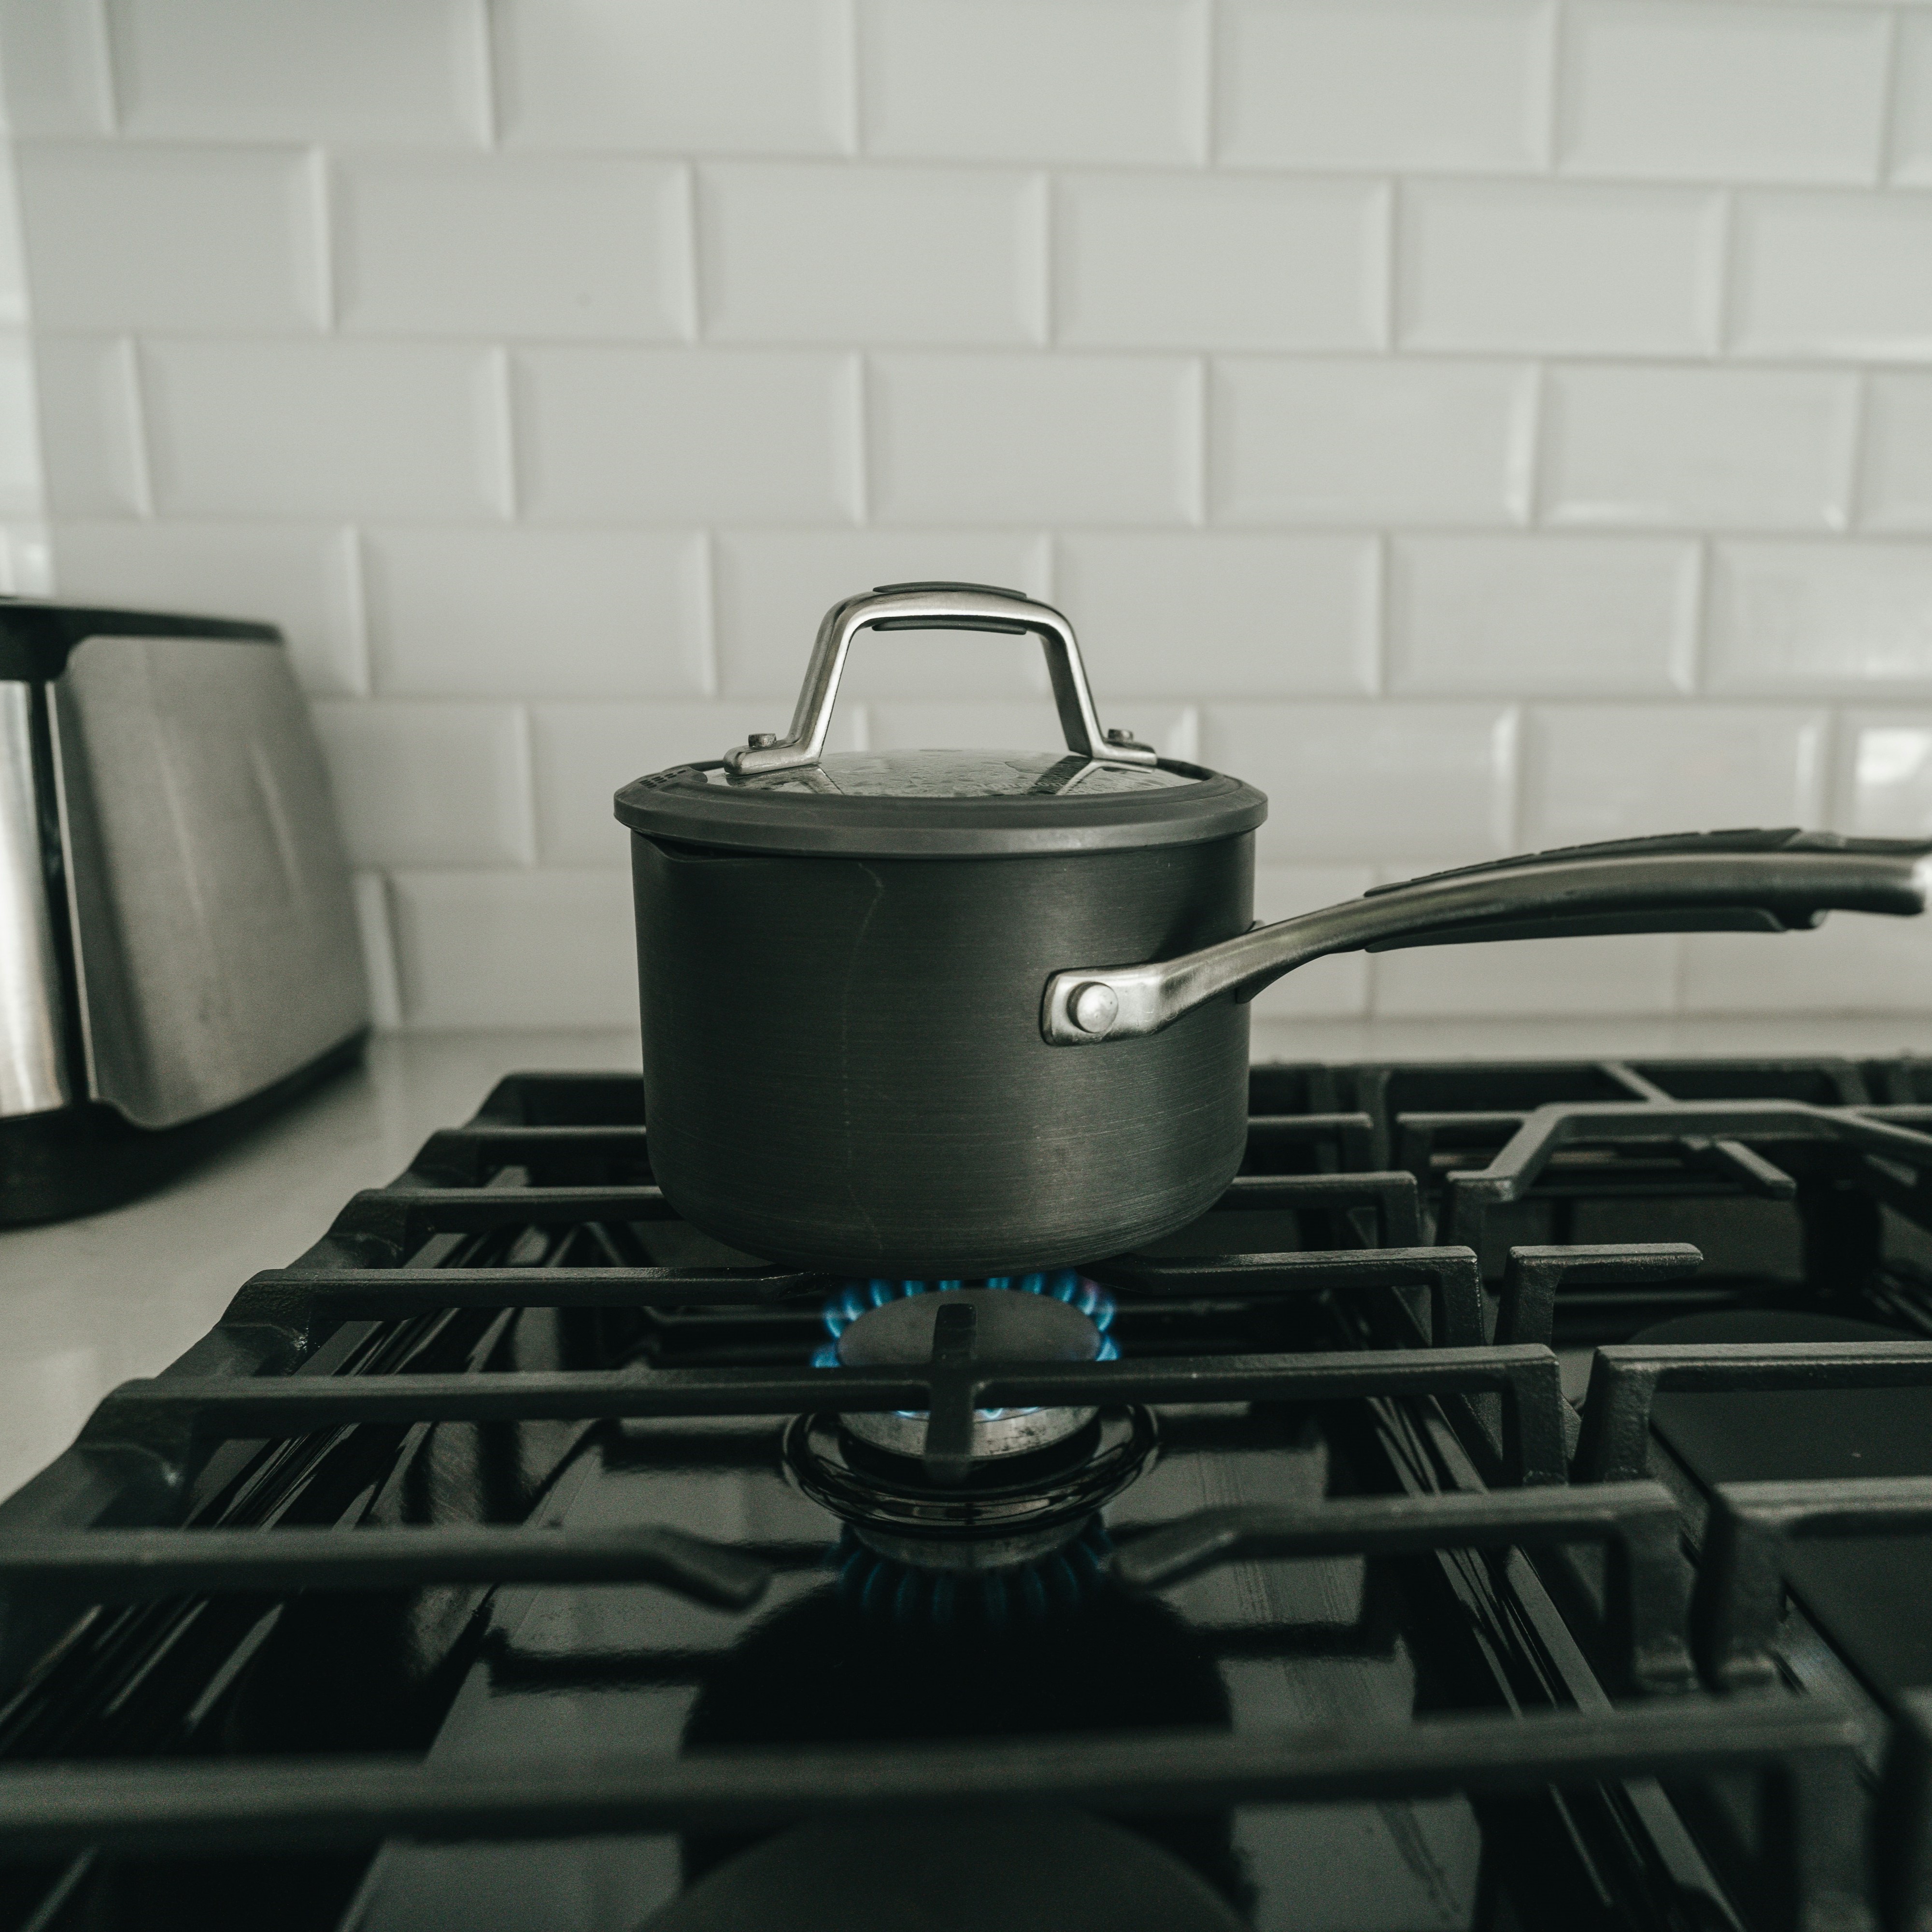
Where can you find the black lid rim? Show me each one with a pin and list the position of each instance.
(664, 805)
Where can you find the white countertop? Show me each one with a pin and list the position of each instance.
(85, 1304)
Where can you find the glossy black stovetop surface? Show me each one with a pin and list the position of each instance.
(1356, 1546)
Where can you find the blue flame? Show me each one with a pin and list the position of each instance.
(1050, 1586)
(858, 1298)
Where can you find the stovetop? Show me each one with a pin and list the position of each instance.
(505, 1562)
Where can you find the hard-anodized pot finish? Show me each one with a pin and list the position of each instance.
(844, 1068)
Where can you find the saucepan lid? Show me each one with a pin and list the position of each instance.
(1106, 790)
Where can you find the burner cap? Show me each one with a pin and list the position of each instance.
(1007, 1328)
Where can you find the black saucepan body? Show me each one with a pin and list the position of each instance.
(844, 1067)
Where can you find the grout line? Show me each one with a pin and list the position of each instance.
(1044, 254)
(1208, 104)
(1555, 105)
(327, 267)
(1722, 294)
(500, 426)
(527, 761)
(1856, 457)
(855, 81)
(861, 385)
(706, 572)
(489, 99)
(111, 89)
(1381, 629)
(1198, 448)
(1394, 282)
(127, 355)
(356, 572)
(1891, 85)
(1703, 591)
(691, 265)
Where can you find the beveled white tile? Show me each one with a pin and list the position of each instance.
(209, 238)
(293, 429)
(1558, 266)
(536, 613)
(301, 577)
(1452, 84)
(1832, 274)
(1820, 617)
(528, 244)
(58, 81)
(1034, 80)
(23, 484)
(582, 753)
(1853, 964)
(676, 77)
(1210, 614)
(479, 949)
(773, 586)
(1699, 448)
(1895, 481)
(675, 436)
(1024, 439)
(1362, 781)
(376, 927)
(352, 70)
(1911, 98)
(1369, 440)
(1885, 774)
(92, 446)
(1246, 263)
(428, 784)
(1615, 771)
(1335, 988)
(1723, 90)
(838, 253)
(1521, 616)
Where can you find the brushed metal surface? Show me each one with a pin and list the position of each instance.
(212, 914)
(844, 1069)
(33, 1069)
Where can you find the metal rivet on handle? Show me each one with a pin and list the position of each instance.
(760, 741)
(1094, 1006)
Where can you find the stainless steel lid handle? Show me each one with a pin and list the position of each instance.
(936, 607)
(1779, 881)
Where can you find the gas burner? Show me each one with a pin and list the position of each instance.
(1011, 1510)
(1007, 1328)
(923, 1594)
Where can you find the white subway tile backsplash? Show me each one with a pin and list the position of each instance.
(1334, 989)
(1209, 614)
(1854, 963)
(92, 442)
(1911, 98)
(1558, 266)
(479, 949)
(1885, 774)
(582, 753)
(429, 784)
(57, 77)
(302, 577)
(676, 436)
(1818, 618)
(1244, 262)
(773, 587)
(1525, 979)
(744, 76)
(1723, 90)
(1895, 482)
(376, 926)
(21, 491)
(1371, 440)
(1613, 771)
(203, 238)
(526, 245)
(1421, 84)
(1699, 447)
(1034, 80)
(536, 613)
(296, 429)
(1821, 273)
(254, 70)
(840, 253)
(1361, 782)
(1020, 438)
(1510, 616)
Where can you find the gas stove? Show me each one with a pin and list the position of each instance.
(1509, 1506)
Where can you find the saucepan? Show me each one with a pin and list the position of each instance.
(953, 1014)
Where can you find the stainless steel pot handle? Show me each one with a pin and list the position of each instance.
(936, 607)
(1779, 881)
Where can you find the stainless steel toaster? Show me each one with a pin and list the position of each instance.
(179, 949)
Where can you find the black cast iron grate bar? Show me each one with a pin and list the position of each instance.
(168, 1414)
(1527, 1310)
(1743, 1164)
(136, 1565)
(1638, 1522)
(1515, 1168)
(1450, 1276)
(1615, 1444)
(1739, 1603)
(256, 1805)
